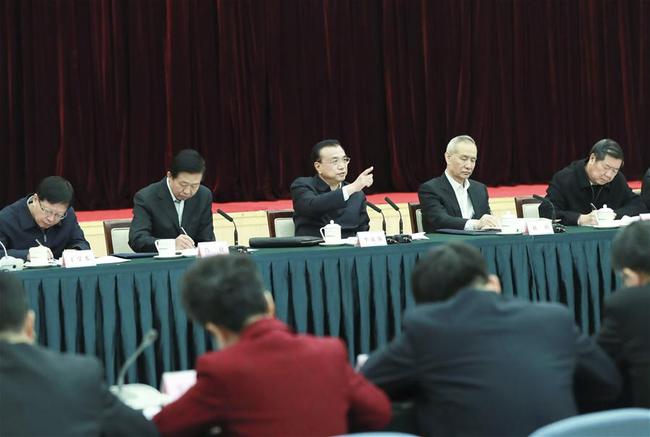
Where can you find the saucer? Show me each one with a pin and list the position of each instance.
(332, 243)
(33, 265)
(178, 255)
(607, 226)
(509, 232)
(189, 252)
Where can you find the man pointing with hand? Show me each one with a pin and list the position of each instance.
(326, 196)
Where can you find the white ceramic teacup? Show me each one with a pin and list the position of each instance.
(166, 247)
(39, 255)
(605, 215)
(331, 233)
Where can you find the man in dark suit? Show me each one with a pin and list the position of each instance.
(326, 197)
(478, 363)
(176, 207)
(45, 393)
(45, 217)
(596, 181)
(453, 200)
(265, 380)
(625, 329)
(645, 189)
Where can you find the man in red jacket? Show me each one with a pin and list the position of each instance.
(265, 379)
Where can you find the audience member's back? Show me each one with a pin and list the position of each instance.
(44, 393)
(266, 380)
(478, 363)
(625, 331)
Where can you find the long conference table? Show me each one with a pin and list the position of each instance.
(357, 294)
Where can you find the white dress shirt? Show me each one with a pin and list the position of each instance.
(465, 203)
(178, 204)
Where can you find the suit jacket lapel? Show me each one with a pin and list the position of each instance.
(167, 205)
(453, 201)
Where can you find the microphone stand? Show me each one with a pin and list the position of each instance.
(399, 238)
(377, 209)
(236, 248)
(557, 227)
(148, 339)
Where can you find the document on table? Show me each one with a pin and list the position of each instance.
(109, 259)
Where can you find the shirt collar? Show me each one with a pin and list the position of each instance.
(455, 185)
(323, 187)
(174, 199)
(25, 219)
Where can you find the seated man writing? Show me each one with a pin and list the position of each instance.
(45, 218)
(177, 206)
(586, 185)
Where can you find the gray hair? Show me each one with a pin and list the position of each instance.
(451, 146)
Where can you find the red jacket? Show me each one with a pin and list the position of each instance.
(275, 382)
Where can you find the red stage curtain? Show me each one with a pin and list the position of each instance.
(104, 92)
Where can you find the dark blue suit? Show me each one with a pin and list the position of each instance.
(315, 204)
(440, 209)
(483, 364)
(19, 231)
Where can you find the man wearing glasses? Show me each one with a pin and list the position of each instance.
(326, 196)
(586, 185)
(43, 218)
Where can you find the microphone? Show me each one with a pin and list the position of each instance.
(236, 247)
(231, 220)
(557, 227)
(377, 209)
(392, 204)
(147, 340)
(9, 263)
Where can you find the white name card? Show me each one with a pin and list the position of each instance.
(539, 227)
(175, 384)
(212, 248)
(369, 239)
(78, 258)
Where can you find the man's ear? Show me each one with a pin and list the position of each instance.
(493, 284)
(28, 326)
(317, 166)
(270, 304)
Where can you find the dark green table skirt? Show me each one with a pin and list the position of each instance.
(353, 293)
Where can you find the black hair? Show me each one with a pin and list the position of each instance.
(606, 147)
(13, 303)
(315, 151)
(55, 189)
(445, 270)
(631, 248)
(224, 290)
(188, 161)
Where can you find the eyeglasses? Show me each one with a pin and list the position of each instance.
(336, 161)
(50, 213)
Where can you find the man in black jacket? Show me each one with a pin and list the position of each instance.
(453, 200)
(176, 207)
(326, 196)
(478, 363)
(45, 393)
(578, 190)
(625, 330)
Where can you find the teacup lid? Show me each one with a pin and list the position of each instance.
(332, 225)
(605, 209)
